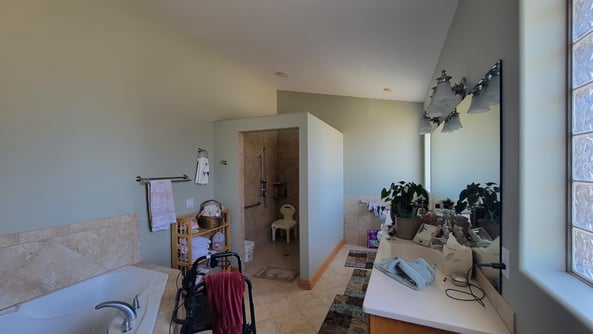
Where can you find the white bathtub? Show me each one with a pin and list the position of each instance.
(72, 310)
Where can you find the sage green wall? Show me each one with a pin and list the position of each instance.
(528, 35)
(548, 292)
(325, 170)
(94, 93)
(381, 141)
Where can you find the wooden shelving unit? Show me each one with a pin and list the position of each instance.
(182, 233)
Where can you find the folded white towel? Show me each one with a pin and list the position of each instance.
(199, 251)
(201, 241)
(202, 171)
(161, 208)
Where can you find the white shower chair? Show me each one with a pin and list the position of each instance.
(287, 223)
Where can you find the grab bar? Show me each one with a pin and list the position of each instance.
(252, 205)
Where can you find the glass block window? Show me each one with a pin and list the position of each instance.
(581, 53)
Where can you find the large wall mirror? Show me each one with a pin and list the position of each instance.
(469, 155)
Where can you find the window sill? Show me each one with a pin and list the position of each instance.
(569, 291)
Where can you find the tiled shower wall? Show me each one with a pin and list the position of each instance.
(281, 167)
(39, 262)
(258, 218)
(288, 168)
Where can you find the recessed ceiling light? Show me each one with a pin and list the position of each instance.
(282, 74)
(388, 90)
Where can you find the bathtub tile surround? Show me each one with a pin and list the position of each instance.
(72, 309)
(357, 219)
(38, 262)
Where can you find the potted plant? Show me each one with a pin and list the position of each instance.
(448, 204)
(484, 203)
(406, 198)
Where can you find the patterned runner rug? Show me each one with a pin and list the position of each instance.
(362, 259)
(357, 287)
(345, 315)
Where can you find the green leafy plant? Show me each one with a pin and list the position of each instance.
(448, 204)
(406, 198)
(476, 196)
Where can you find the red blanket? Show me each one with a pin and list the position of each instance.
(225, 292)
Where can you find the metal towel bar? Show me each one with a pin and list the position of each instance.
(145, 180)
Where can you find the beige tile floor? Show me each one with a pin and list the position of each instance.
(284, 308)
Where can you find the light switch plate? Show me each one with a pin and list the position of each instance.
(189, 203)
(506, 259)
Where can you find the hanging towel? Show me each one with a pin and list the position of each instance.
(415, 274)
(202, 171)
(376, 207)
(161, 208)
(225, 295)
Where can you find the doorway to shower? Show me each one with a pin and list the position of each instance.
(270, 179)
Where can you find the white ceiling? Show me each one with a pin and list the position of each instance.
(341, 47)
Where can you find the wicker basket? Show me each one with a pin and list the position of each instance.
(207, 221)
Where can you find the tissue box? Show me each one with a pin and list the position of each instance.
(456, 260)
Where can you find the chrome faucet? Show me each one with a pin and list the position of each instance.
(136, 303)
(128, 311)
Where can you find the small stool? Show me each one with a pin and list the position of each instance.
(286, 224)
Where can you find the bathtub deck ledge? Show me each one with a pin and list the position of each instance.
(168, 299)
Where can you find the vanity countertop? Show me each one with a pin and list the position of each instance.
(430, 306)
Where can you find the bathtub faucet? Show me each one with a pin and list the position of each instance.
(128, 311)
